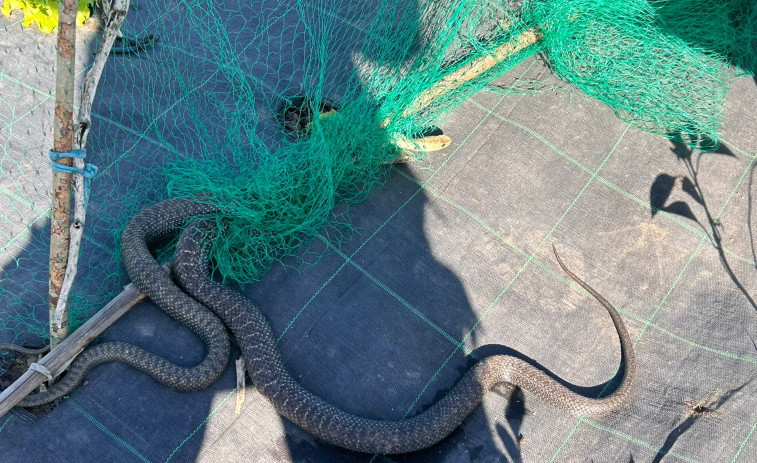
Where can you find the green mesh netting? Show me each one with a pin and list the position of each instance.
(276, 197)
(726, 30)
(277, 190)
(226, 108)
(617, 53)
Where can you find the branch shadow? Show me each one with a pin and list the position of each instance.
(665, 184)
(750, 205)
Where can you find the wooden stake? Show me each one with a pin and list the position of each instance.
(63, 132)
(114, 16)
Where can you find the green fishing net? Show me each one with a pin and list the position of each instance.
(277, 190)
(285, 113)
(616, 52)
(725, 30)
(277, 186)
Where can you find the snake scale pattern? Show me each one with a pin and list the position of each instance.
(149, 228)
(269, 373)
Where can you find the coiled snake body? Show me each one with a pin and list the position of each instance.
(150, 227)
(270, 376)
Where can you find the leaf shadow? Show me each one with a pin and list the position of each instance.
(664, 185)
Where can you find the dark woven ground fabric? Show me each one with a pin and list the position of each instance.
(451, 257)
(294, 401)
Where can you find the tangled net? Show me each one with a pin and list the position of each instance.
(278, 187)
(285, 113)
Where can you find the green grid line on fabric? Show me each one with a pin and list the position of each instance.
(567, 438)
(5, 423)
(558, 276)
(215, 409)
(107, 431)
(743, 444)
(241, 146)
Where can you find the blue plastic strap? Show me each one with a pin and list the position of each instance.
(88, 172)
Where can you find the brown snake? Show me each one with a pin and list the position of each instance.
(271, 377)
(4, 346)
(269, 373)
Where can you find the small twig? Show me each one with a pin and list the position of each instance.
(240, 384)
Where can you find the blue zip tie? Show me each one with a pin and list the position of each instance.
(88, 172)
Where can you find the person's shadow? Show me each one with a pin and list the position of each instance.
(388, 346)
(369, 341)
(369, 325)
(367, 328)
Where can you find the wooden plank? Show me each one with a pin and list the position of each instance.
(60, 357)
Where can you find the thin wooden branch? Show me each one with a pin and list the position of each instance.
(473, 69)
(424, 144)
(63, 129)
(114, 17)
(61, 356)
(114, 14)
(470, 71)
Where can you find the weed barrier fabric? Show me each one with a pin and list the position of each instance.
(379, 304)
